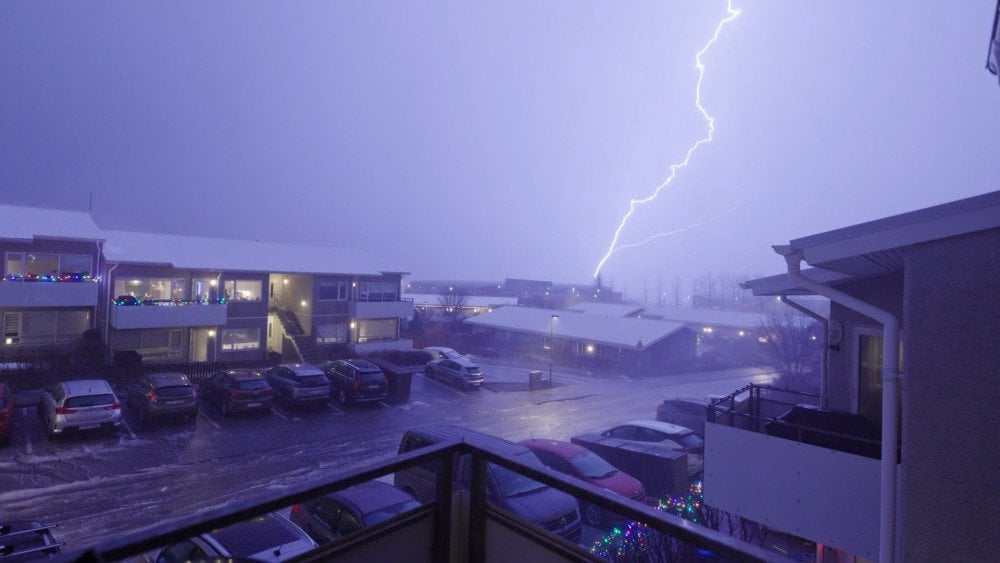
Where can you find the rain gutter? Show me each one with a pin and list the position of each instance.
(890, 379)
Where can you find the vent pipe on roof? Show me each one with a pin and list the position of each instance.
(890, 380)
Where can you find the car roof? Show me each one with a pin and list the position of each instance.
(303, 369)
(243, 374)
(557, 447)
(86, 386)
(371, 496)
(363, 365)
(659, 426)
(257, 535)
(168, 378)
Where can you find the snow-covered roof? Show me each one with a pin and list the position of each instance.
(434, 300)
(625, 332)
(705, 317)
(206, 253)
(606, 309)
(29, 223)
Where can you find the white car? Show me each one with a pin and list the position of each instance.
(79, 405)
(442, 353)
(666, 434)
(266, 538)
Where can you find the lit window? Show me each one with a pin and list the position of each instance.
(234, 339)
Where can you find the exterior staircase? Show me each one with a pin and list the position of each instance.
(305, 345)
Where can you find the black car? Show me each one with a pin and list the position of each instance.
(337, 514)
(356, 381)
(162, 395)
(299, 384)
(237, 390)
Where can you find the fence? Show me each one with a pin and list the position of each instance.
(196, 371)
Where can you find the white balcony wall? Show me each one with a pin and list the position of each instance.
(381, 346)
(48, 294)
(380, 309)
(823, 495)
(168, 316)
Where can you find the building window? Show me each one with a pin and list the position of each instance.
(204, 289)
(234, 339)
(331, 333)
(151, 289)
(378, 291)
(333, 291)
(151, 344)
(244, 290)
(375, 330)
(38, 264)
(43, 327)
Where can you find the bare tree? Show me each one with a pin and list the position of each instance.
(453, 301)
(705, 290)
(790, 343)
(677, 287)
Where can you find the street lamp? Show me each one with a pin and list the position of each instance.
(552, 342)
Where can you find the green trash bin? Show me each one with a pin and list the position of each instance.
(534, 379)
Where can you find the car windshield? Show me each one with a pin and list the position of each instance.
(691, 441)
(251, 384)
(372, 376)
(311, 380)
(390, 511)
(247, 539)
(514, 484)
(175, 391)
(89, 401)
(592, 466)
(451, 354)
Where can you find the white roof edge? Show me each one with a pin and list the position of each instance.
(780, 284)
(931, 223)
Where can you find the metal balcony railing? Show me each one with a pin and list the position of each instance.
(472, 525)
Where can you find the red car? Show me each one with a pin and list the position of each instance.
(6, 413)
(584, 464)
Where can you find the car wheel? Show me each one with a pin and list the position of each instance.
(593, 515)
(342, 397)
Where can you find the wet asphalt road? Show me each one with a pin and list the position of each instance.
(97, 487)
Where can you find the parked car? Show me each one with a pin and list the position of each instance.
(443, 353)
(548, 508)
(162, 395)
(689, 413)
(356, 381)
(26, 541)
(338, 514)
(83, 404)
(577, 461)
(299, 384)
(6, 413)
(266, 538)
(460, 371)
(665, 434)
(237, 390)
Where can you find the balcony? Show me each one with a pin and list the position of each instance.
(380, 309)
(48, 294)
(168, 315)
(458, 525)
(776, 461)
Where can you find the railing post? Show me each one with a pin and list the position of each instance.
(442, 509)
(477, 509)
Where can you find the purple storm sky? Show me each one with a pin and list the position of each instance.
(480, 141)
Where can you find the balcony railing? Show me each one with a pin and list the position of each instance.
(457, 526)
(168, 314)
(380, 309)
(20, 292)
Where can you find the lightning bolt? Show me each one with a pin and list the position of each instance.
(633, 204)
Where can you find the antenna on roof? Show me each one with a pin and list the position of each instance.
(90, 203)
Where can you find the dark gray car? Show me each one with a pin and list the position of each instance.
(356, 381)
(338, 514)
(162, 395)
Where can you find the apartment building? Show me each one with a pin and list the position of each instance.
(912, 356)
(49, 289)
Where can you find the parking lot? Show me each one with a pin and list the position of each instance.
(96, 486)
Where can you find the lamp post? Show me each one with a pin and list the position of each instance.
(552, 343)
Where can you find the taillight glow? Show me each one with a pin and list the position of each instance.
(296, 508)
(64, 410)
(113, 406)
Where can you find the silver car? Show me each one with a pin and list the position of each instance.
(266, 538)
(460, 371)
(79, 405)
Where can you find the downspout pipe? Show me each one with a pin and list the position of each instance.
(890, 379)
(825, 323)
(108, 300)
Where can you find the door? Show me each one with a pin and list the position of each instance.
(868, 369)
(202, 345)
